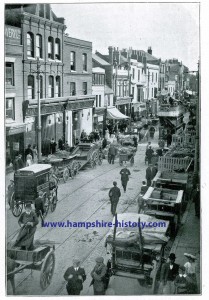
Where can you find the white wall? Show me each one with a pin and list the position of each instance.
(86, 120)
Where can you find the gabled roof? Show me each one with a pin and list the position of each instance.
(99, 60)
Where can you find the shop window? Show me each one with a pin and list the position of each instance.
(156, 77)
(138, 75)
(72, 61)
(96, 100)
(50, 47)
(84, 58)
(57, 49)
(85, 88)
(108, 99)
(72, 89)
(30, 44)
(9, 74)
(41, 87)
(10, 114)
(51, 87)
(39, 46)
(31, 87)
(100, 100)
(133, 73)
(57, 87)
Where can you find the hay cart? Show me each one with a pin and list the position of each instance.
(164, 204)
(42, 259)
(137, 253)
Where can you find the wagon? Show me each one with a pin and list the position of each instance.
(174, 181)
(63, 166)
(164, 204)
(28, 182)
(42, 259)
(126, 154)
(135, 252)
(88, 154)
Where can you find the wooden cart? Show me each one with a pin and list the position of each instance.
(42, 259)
(137, 253)
(164, 204)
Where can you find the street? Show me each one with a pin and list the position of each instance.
(85, 198)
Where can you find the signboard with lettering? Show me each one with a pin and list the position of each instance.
(13, 35)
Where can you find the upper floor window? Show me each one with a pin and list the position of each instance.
(138, 75)
(10, 73)
(41, 10)
(72, 89)
(30, 44)
(39, 46)
(152, 76)
(57, 49)
(96, 104)
(84, 58)
(85, 88)
(57, 87)
(51, 87)
(100, 100)
(31, 87)
(50, 48)
(108, 99)
(133, 73)
(156, 77)
(72, 61)
(10, 113)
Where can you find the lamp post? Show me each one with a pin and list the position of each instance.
(39, 109)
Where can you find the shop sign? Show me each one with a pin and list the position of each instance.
(13, 34)
(16, 146)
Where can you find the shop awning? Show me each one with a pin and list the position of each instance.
(15, 128)
(114, 113)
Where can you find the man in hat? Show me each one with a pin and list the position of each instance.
(39, 205)
(27, 221)
(114, 195)
(149, 154)
(125, 177)
(75, 276)
(98, 275)
(112, 153)
(169, 271)
(150, 174)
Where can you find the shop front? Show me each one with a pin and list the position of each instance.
(123, 104)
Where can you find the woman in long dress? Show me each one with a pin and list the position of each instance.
(35, 154)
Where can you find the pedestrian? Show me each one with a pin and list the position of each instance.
(112, 152)
(196, 200)
(53, 145)
(125, 177)
(29, 160)
(104, 143)
(144, 188)
(149, 154)
(28, 151)
(75, 276)
(135, 141)
(98, 274)
(169, 139)
(150, 174)
(152, 132)
(161, 144)
(83, 136)
(168, 274)
(114, 195)
(27, 221)
(39, 205)
(190, 267)
(61, 143)
(180, 282)
(16, 163)
(20, 162)
(35, 154)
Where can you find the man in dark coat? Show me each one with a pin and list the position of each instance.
(168, 273)
(98, 274)
(144, 188)
(149, 154)
(28, 151)
(16, 163)
(53, 145)
(75, 276)
(27, 221)
(20, 161)
(114, 195)
(125, 177)
(150, 174)
(104, 143)
(112, 152)
(39, 205)
(169, 139)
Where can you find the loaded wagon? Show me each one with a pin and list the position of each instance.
(42, 259)
(164, 204)
(135, 252)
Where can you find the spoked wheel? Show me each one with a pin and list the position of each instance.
(46, 205)
(100, 161)
(53, 203)
(65, 175)
(47, 270)
(92, 163)
(16, 207)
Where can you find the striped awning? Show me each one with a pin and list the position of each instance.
(114, 113)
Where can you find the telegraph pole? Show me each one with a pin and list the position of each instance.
(39, 109)
(197, 125)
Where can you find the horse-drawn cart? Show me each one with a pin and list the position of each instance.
(135, 252)
(42, 259)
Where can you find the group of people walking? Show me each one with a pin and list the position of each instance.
(30, 157)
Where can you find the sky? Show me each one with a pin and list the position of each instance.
(171, 29)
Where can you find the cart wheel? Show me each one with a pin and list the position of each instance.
(92, 163)
(46, 204)
(53, 203)
(65, 175)
(100, 161)
(47, 270)
(16, 208)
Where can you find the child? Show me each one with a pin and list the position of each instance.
(180, 282)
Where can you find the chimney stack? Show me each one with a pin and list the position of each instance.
(149, 50)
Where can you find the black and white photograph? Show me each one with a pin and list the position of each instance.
(102, 115)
